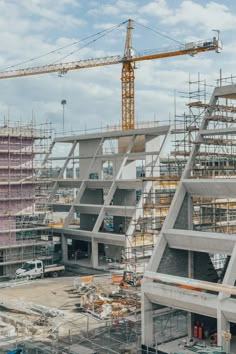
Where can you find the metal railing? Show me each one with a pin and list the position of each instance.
(111, 128)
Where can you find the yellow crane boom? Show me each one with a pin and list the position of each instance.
(127, 61)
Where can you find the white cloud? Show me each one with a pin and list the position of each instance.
(31, 28)
(104, 26)
(191, 13)
(157, 8)
(105, 10)
(212, 15)
(114, 8)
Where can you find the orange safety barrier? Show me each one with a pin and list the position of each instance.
(87, 279)
(189, 287)
(116, 278)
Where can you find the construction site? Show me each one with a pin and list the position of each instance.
(136, 220)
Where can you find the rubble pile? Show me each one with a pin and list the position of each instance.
(104, 304)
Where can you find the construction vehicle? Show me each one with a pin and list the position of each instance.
(128, 61)
(131, 279)
(36, 269)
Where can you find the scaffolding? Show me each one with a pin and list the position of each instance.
(24, 187)
(200, 224)
(113, 211)
(156, 196)
(216, 157)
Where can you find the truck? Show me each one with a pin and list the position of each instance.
(37, 269)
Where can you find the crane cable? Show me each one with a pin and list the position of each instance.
(94, 40)
(160, 33)
(101, 33)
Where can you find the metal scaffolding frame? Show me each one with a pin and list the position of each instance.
(24, 187)
(200, 213)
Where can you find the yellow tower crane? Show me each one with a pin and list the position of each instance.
(127, 60)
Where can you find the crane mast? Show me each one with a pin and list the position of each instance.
(127, 82)
(127, 60)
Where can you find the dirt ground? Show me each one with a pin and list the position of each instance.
(69, 326)
(49, 291)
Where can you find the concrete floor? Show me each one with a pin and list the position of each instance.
(177, 347)
(49, 291)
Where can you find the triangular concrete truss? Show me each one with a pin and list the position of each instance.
(97, 195)
(180, 273)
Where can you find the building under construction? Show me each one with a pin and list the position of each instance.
(110, 196)
(24, 187)
(117, 199)
(198, 230)
(85, 208)
(109, 211)
(100, 215)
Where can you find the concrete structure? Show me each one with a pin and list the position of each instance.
(181, 274)
(96, 213)
(23, 233)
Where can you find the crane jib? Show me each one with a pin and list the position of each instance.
(190, 48)
(127, 75)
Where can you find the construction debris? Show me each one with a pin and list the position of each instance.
(103, 302)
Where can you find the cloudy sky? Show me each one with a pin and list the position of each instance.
(70, 29)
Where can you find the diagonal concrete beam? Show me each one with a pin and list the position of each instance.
(228, 91)
(76, 201)
(215, 188)
(113, 187)
(222, 131)
(230, 276)
(189, 283)
(210, 242)
(67, 160)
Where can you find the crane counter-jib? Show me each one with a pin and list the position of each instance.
(189, 48)
(191, 52)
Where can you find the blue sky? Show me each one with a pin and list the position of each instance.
(30, 28)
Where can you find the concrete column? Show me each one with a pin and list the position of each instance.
(64, 248)
(190, 323)
(147, 321)
(190, 316)
(74, 177)
(89, 249)
(223, 330)
(94, 255)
